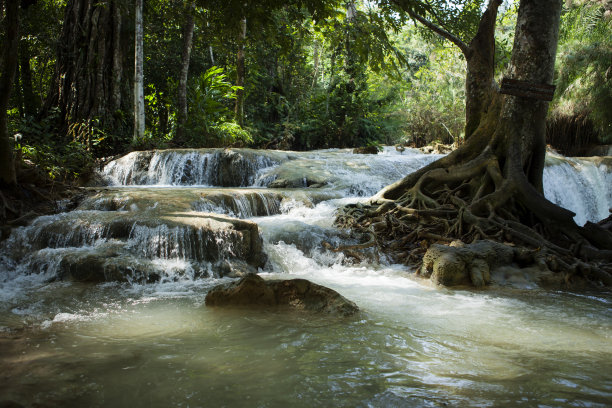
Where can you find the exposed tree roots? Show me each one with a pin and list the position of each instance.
(474, 201)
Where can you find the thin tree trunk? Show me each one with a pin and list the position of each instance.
(30, 102)
(316, 62)
(185, 58)
(9, 62)
(139, 115)
(210, 48)
(116, 94)
(480, 58)
(240, 74)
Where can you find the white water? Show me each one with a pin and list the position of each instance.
(156, 345)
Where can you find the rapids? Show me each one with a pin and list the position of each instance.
(137, 344)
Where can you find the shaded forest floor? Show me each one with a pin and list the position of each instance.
(34, 195)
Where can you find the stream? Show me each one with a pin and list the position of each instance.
(147, 340)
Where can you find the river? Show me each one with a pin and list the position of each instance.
(155, 344)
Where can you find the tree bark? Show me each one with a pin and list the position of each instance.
(480, 58)
(523, 120)
(139, 115)
(30, 102)
(9, 62)
(89, 74)
(240, 74)
(316, 60)
(185, 58)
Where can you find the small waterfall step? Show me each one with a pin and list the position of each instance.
(136, 245)
(235, 202)
(189, 167)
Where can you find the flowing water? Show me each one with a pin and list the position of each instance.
(155, 344)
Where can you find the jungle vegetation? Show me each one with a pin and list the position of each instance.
(302, 75)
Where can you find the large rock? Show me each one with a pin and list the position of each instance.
(300, 294)
(464, 264)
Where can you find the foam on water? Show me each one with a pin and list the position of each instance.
(137, 344)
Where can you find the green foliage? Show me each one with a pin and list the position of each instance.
(38, 143)
(210, 119)
(159, 115)
(432, 91)
(584, 70)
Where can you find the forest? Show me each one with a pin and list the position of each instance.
(301, 75)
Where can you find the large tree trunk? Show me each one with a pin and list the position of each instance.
(139, 115)
(89, 76)
(240, 74)
(185, 58)
(491, 187)
(9, 64)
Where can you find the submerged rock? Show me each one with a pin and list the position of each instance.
(300, 294)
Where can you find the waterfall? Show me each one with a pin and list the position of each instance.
(581, 185)
(204, 167)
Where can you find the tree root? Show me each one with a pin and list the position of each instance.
(475, 201)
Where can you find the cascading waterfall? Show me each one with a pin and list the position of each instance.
(581, 185)
(205, 167)
(163, 229)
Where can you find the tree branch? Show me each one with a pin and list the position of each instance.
(433, 27)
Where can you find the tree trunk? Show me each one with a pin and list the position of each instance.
(315, 63)
(9, 64)
(185, 57)
(30, 102)
(89, 81)
(480, 58)
(210, 47)
(139, 115)
(491, 187)
(240, 74)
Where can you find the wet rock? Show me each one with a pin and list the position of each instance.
(366, 150)
(437, 148)
(217, 167)
(234, 269)
(300, 294)
(465, 264)
(107, 263)
(124, 246)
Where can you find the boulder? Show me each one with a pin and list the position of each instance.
(299, 294)
(464, 264)
(366, 150)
